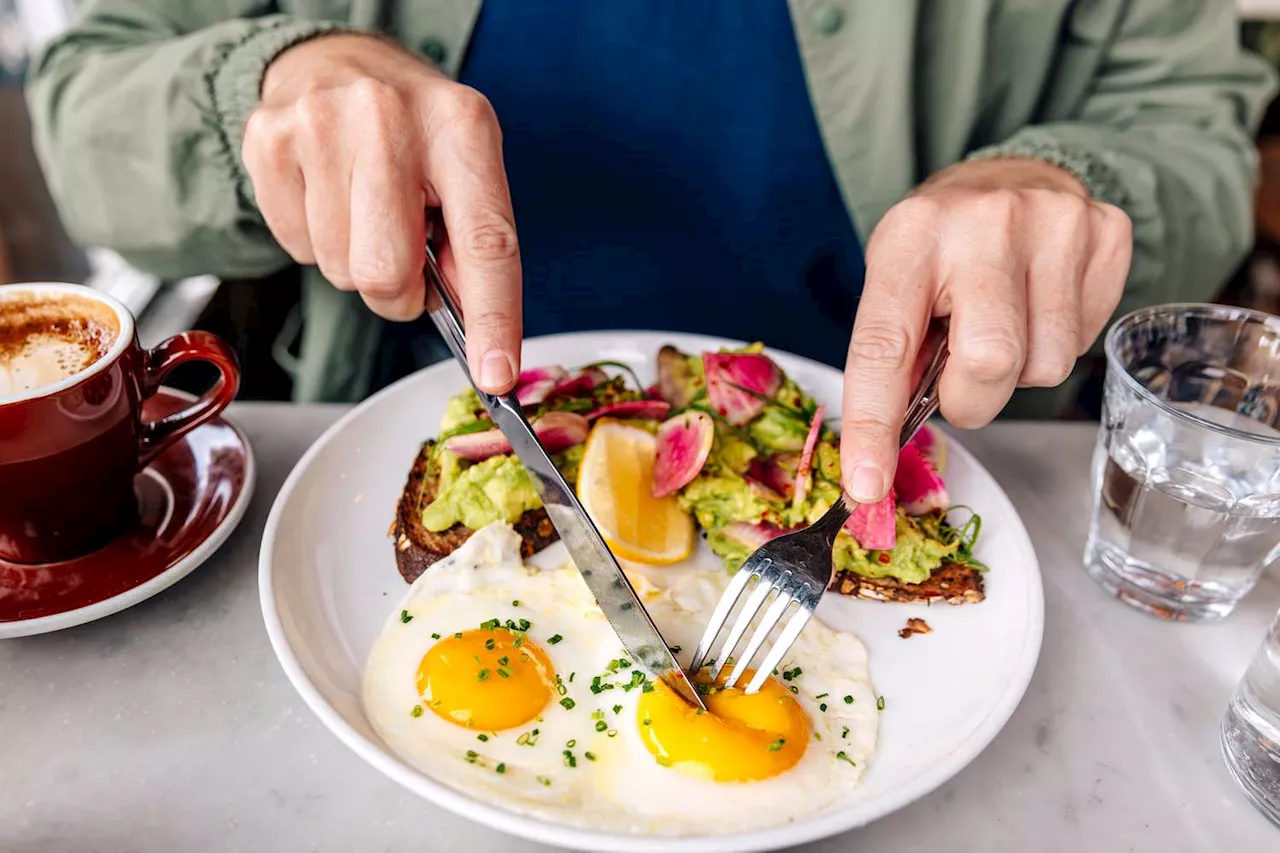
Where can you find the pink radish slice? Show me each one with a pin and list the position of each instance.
(931, 443)
(803, 474)
(535, 385)
(918, 485)
(650, 410)
(684, 443)
(775, 473)
(875, 525)
(750, 535)
(579, 382)
(736, 381)
(556, 430)
(675, 379)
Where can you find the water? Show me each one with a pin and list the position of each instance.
(1184, 522)
(1251, 728)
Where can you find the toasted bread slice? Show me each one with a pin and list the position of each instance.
(417, 548)
(952, 583)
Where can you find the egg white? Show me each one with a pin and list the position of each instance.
(623, 788)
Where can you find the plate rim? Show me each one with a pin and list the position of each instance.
(548, 832)
(152, 587)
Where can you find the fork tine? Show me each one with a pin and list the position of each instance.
(768, 579)
(781, 646)
(719, 617)
(786, 594)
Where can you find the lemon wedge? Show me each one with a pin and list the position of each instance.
(615, 485)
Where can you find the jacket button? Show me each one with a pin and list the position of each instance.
(434, 50)
(828, 19)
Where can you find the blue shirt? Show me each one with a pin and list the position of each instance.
(667, 172)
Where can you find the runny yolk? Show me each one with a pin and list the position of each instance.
(486, 679)
(742, 738)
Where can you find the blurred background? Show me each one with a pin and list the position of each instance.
(34, 246)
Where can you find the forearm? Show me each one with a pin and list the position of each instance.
(138, 127)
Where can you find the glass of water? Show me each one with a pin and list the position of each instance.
(1186, 471)
(1251, 728)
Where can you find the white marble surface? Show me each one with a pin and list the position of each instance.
(171, 727)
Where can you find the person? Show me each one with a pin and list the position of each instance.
(754, 169)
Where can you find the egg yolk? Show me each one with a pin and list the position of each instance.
(486, 679)
(743, 738)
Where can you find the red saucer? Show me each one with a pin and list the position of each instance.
(189, 500)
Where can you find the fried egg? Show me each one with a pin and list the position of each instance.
(505, 681)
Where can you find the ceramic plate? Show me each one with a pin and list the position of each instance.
(328, 580)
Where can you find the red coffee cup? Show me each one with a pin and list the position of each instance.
(69, 449)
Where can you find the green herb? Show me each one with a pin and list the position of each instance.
(490, 625)
(637, 679)
(822, 707)
(617, 709)
(435, 636)
(515, 603)
(822, 696)
(472, 755)
(524, 624)
(664, 762)
(544, 781)
(553, 639)
(675, 650)
(848, 700)
(844, 732)
(482, 738)
(879, 703)
(569, 760)
(489, 644)
(612, 733)
(416, 711)
(794, 689)
(560, 688)
(601, 725)
(502, 661)
(484, 673)
(501, 768)
(504, 672)
(647, 721)
(789, 674)
(458, 636)
(528, 738)
(624, 663)
(841, 755)
(519, 641)
(620, 366)
(596, 686)
(776, 745)
(646, 687)
(571, 675)
(590, 756)
(405, 617)
(567, 703)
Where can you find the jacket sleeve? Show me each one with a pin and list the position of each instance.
(138, 112)
(1164, 131)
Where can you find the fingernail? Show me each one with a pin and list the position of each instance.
(495, 370)
(866, 483)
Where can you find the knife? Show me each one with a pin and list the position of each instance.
(613, 592)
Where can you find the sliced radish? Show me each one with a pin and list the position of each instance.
(556, 430)
(804, 474)
(684, 443)
(737, 382)
(875, 526)
(535, 385)
(752, 536)
(579, 382)
(777, 473)
(647, 410)
(932, 444)
(675, 379)
(918, 485)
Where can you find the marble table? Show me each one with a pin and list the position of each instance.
(171, 727)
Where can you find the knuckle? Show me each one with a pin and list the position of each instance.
(468, 106)
(489, 236)
(881, 345)
(1045, 370)
(999, 206)
(915, 211)
(377, 277)
(315, 113)
(963, 416)
(268, 144)
(988, 357)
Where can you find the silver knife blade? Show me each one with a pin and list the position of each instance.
(613, 591)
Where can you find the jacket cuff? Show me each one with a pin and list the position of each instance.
(1089, 167)
(235, 80)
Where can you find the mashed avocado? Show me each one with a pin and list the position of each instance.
(462, 410)
(779, 428)
(912, 560)
(496, 489)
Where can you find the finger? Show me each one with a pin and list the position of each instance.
(988, 333)
(1061, 237)
(1106, 271)
(272, 164)
(892, 315)
(465, 168)
(326, 172)
(388, 223)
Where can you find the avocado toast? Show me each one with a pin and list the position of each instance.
(774, 466)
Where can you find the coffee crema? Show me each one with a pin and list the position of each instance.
(48, 337)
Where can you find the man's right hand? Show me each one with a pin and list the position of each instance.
(354, 139)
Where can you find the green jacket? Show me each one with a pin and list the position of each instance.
(139, 112)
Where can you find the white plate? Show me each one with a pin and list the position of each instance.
(328, 579)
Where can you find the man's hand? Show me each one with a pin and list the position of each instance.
(353, 140)
(1026, 265)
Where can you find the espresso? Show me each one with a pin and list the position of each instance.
(48, 337)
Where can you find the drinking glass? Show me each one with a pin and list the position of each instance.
(1251, 728)
(1186, 470)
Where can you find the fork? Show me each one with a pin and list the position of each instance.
(797, 566)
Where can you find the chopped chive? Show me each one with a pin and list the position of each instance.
(841, 755)
(590, 756)
(571, 675)
(489, 625)
(817, 736)
(528, 738)
(664, 762)
(553, 639)
(515, 603)
(560, 688)
(597, 715)
(794, 689)
(544, 781)
(612, 733)
(405, 616)
(416, 711)
(601, 725)
(472, 755)
(647, 721)
(524, 624)
(458, 636)
(675, 650)
(822, 707)
(777, 745)
(698, 712)
(822, 696)
(435, 636)
(596, 687)
(879, 703)
(489, 644)
(569, 760)
(848, 700)
(482, 738)
(647, 687)
(624, 663)
(502, 661)
(504, 672)
(519, 641)
(617, 709)
(571, 743)
(567, 703)
(789, 674)
(844, 732)
(476, 658)
(484, 673)
(501, 768)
